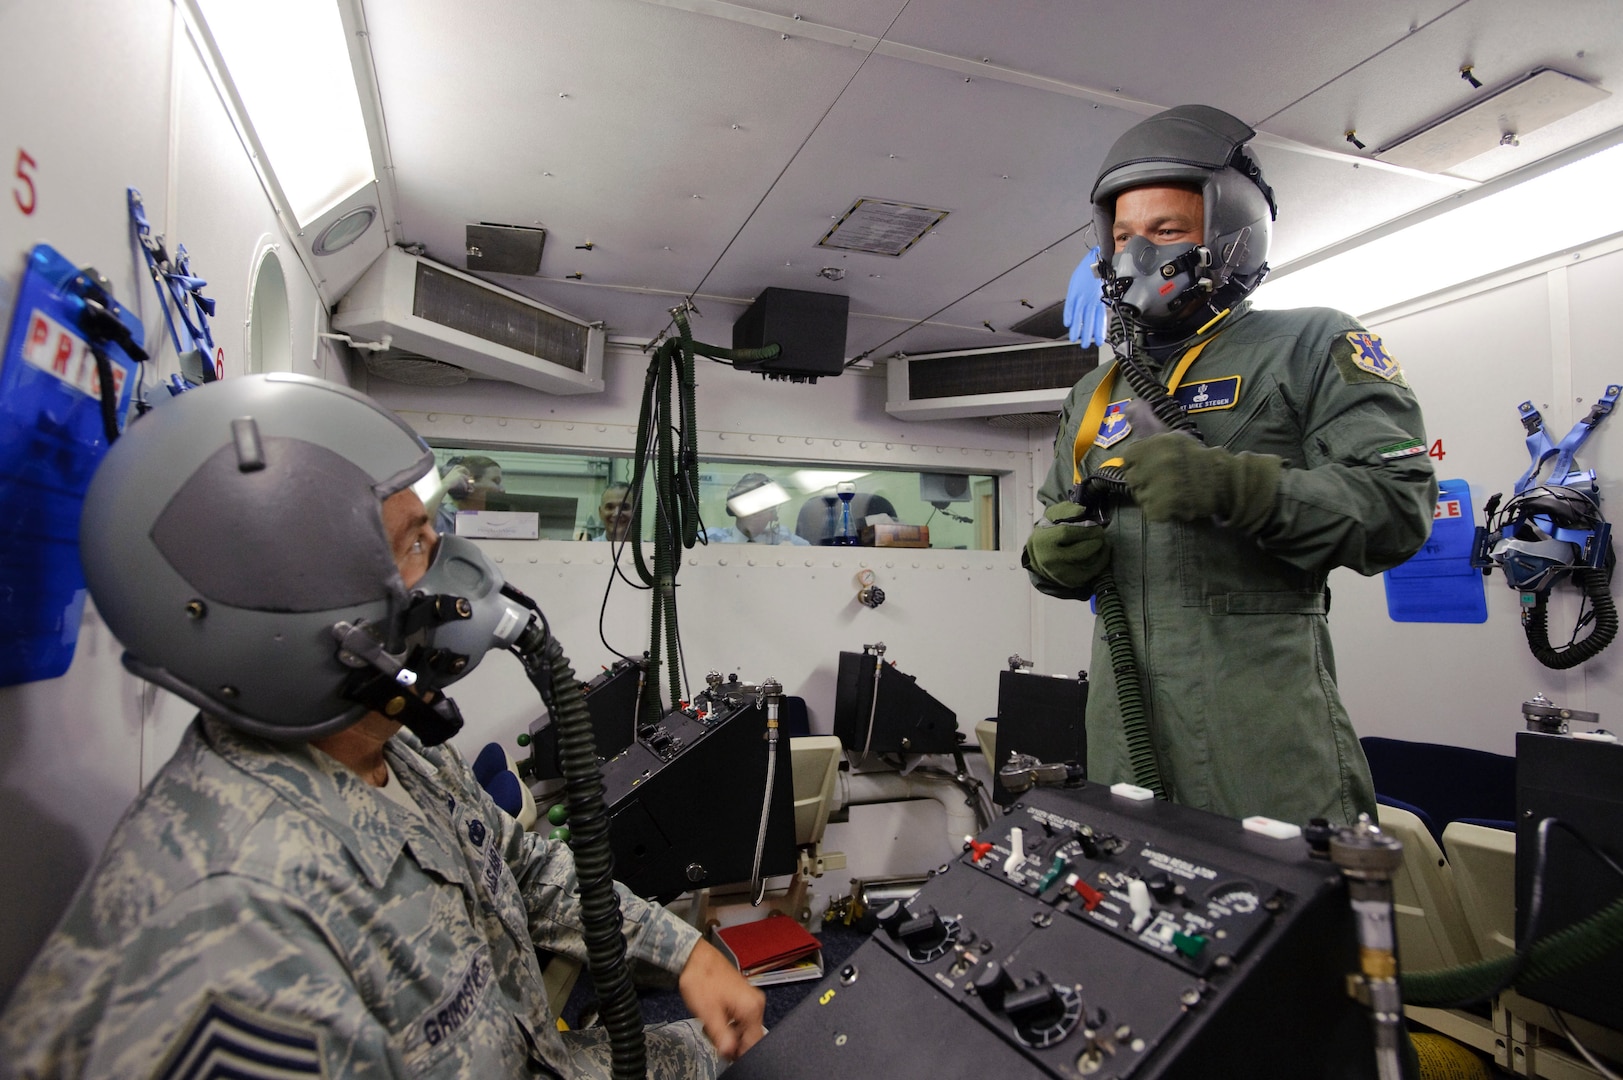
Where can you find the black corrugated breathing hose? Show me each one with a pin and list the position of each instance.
(1596, 586)
(549, 670)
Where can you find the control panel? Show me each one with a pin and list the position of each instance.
(1090, 935)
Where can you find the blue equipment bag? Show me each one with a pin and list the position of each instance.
(53, 433)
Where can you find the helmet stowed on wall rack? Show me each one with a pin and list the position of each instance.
(1553, 529)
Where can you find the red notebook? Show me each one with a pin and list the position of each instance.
(773, 942)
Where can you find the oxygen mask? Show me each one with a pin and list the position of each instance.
(1156, 285)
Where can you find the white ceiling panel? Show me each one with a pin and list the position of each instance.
(601, 120)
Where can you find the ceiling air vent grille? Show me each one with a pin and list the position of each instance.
(1001, 381)
(460, 304)
(1046, 367)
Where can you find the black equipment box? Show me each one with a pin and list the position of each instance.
(808, 326)
(906, 719)
(1234, 963)
(685, 800)
(1579, 782)
(1040, 715)
(612, 699)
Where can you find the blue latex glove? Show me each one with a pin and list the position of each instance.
(1084, 303)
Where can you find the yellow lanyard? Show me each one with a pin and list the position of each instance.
(1088, 433)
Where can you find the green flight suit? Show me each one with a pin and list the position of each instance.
(1229, 628)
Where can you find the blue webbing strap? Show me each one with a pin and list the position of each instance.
(172, 277)
(1540, 449)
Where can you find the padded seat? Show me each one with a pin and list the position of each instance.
(1431, 927)
(1443, 783)
(1484, 863)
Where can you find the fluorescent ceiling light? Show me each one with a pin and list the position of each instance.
(816, 479)
(1561, 209)
(290, 64)
(757, 499)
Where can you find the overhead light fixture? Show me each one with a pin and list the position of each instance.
(290, 65)
(1558, 210)
(344, 231)
(1499, 119)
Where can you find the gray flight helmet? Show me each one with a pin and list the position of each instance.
(229, 530)
(1205, 148)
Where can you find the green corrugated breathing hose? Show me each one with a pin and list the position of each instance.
(675, 488)
(1129, 696)
(1577, 945)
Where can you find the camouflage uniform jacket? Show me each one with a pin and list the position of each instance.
(1229, 628)
(263, 900)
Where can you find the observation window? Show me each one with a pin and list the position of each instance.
(499, 492)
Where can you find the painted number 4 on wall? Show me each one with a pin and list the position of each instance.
(1436, 450)
(27, 198)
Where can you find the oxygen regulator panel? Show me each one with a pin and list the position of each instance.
(685, 797)
(1088, 934)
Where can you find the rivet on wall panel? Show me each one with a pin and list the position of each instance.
(433, 418)
(502, 422)
(567, 560)
(501, 558)
(467, 419)
(782, 562)
(890, 446)
(838, 443)
(602, 427)
(567, 427)
(752, 562)
(721, 562)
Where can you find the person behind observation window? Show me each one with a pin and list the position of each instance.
(1308, 453)
(753, 504)
(614, 511)
(468, 482)
(316, 874)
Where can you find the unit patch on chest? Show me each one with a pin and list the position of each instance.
(1114, 427)
(1209, 395)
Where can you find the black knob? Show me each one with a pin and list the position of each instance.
(993, 984)
(923, 933)
(1036, 1007)
(892, 916)
(1162, 887)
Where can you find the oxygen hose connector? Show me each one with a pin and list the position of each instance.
(771, 693)
(1368, 859)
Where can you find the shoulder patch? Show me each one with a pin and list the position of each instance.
(226, 1038)
(1209, 395)
(1359, 351)
(1114, 427)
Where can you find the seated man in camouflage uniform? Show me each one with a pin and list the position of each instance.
(305, 888)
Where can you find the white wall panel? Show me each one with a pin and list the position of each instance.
(103, 95)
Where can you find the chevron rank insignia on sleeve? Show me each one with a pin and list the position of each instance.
(228, 1039)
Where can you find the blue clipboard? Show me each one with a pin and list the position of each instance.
(1438, 584)
(51, 440)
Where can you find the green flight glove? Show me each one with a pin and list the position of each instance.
(1066, 552)
(1173, 477)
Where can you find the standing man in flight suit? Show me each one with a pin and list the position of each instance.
(305, 888)
(1311, 455)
